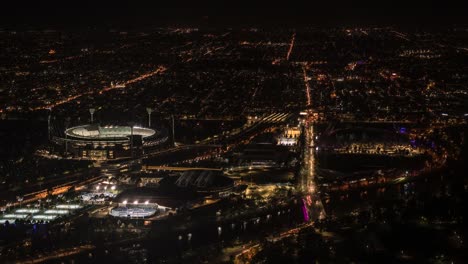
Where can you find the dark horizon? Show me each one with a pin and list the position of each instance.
(330, 13)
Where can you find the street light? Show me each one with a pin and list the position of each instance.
(135, 202)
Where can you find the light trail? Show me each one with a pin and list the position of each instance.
(306, 82)
(291, 46)
(211, 51)
(400, 35)
(159, 70)
(313, 208)
(61, 59)
(246, 255)
(63, 101)
(252, 99)
(169, 168)
(59, 254)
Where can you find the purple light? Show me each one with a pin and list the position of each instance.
(304, 211)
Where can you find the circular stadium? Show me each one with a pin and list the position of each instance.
(96, 142)
(108, 133)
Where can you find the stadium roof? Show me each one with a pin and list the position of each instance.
(107, 132)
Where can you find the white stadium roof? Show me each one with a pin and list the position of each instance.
(107, 132)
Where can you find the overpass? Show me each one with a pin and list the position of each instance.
(169, 168)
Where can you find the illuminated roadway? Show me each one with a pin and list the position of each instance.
(305, 67)
(158, 70)
(172, 168)
(308, 190)
(307, 181)
(291, 46)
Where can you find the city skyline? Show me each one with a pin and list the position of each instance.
(285, 134)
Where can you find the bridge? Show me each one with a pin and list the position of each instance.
(169, 168)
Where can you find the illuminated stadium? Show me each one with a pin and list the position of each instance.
(108, 133)
(133, 212)
(97, 142)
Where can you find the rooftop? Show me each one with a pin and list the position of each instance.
(114, 132)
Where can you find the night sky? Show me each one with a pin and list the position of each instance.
(19, 14)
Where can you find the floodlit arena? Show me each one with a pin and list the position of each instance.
(133, 212)
(95, 142)
(108, 133)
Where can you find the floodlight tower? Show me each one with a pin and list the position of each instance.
(149, 111)
(91, 111)
(67, 123)
(131, 124)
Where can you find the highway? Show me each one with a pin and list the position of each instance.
(306, 185)
(173, 168)
(307, 181)
(61, 253)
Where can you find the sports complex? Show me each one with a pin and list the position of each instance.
(96, 142)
